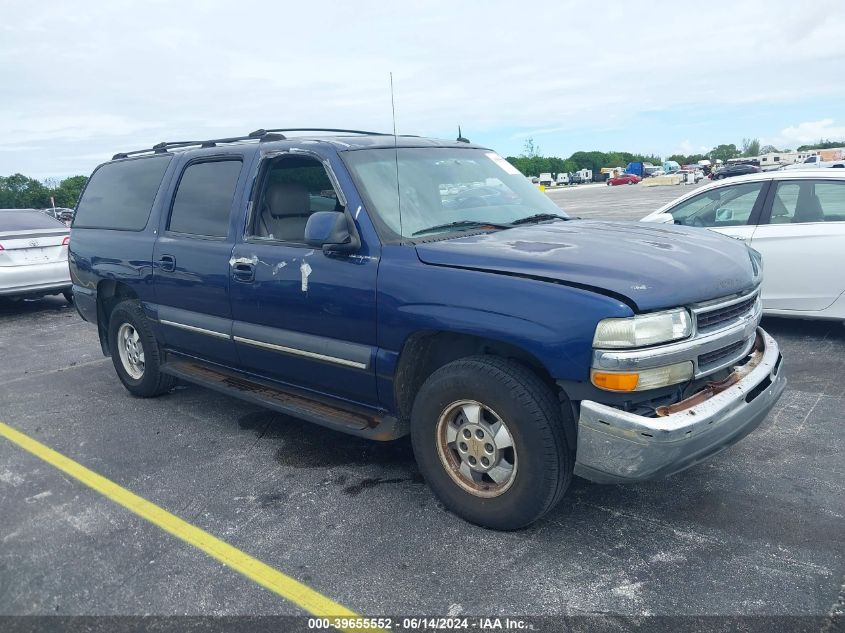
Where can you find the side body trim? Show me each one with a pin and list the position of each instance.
(193, 328)
(320, 348)
(301, 352)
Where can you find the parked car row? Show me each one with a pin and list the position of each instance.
(561, 179)
(62, 214)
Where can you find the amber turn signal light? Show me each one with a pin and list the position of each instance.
(615, 382)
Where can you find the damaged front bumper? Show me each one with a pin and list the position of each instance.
(616, 446)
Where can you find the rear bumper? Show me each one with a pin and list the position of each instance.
(37, 279)
(615, 446)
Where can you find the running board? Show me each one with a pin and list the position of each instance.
(372, 426)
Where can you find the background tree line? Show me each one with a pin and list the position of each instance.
(532, 163)
(20, 192)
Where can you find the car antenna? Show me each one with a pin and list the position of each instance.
(396, 154)
(461, 138)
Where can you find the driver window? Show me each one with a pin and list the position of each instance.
(294, 188)
(719, 207)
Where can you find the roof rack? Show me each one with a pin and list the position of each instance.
(261, 136)
(324, 129)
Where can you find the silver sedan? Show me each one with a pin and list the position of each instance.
(33, 254)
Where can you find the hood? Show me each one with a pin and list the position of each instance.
(649, 266)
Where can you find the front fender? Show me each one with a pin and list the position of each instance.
(551, 322)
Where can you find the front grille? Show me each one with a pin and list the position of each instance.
(722, 316)
(718, 355)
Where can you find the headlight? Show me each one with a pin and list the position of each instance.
(643, 330)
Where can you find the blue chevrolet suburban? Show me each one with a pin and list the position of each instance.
(383, 286)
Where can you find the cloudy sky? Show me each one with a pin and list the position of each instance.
(84, 80)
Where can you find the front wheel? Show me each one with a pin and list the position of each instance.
(488, 436)
(135, 352)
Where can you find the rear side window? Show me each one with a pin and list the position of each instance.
(806, 201)
(120, 195)
(203, 200)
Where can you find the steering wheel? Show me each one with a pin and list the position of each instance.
(471, 201)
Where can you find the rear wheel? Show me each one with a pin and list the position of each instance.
(488, 437)
(135, 352)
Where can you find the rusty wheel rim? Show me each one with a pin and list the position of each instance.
(476, 448)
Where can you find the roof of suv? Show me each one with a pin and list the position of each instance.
(342, 140)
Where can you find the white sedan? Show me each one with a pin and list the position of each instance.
(795, 219)
(33, 255)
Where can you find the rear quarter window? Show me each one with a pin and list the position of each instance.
(120, 195)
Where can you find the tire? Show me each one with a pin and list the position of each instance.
(68, 295)
(533, 417)
(128, 318)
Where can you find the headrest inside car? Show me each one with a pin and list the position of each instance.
(287, 198)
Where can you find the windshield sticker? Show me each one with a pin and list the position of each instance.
(501, 162)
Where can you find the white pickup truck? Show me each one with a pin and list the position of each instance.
(822, 159)
(546, 179)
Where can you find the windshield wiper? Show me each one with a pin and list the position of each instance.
(468, 224)
(538, 217)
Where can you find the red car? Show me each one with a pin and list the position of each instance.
(624, 179)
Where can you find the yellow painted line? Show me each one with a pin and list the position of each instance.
(269, 578)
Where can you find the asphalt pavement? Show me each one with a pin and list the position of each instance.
(622, 202)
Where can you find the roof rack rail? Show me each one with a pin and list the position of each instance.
(260, 135)
(164, 146)
(326, 129)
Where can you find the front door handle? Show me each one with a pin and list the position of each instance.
(167, 263)
(243, 270)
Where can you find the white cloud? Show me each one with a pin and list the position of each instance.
(114, 77)
(73, 127)
(686, 148)
(812, 131)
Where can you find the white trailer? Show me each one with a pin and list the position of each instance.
(586, 175)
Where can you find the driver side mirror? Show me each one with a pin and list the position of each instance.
(330, 231)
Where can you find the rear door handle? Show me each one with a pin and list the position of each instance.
(243, 270)
(167, 263)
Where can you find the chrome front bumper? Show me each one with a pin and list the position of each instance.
(615, 446)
